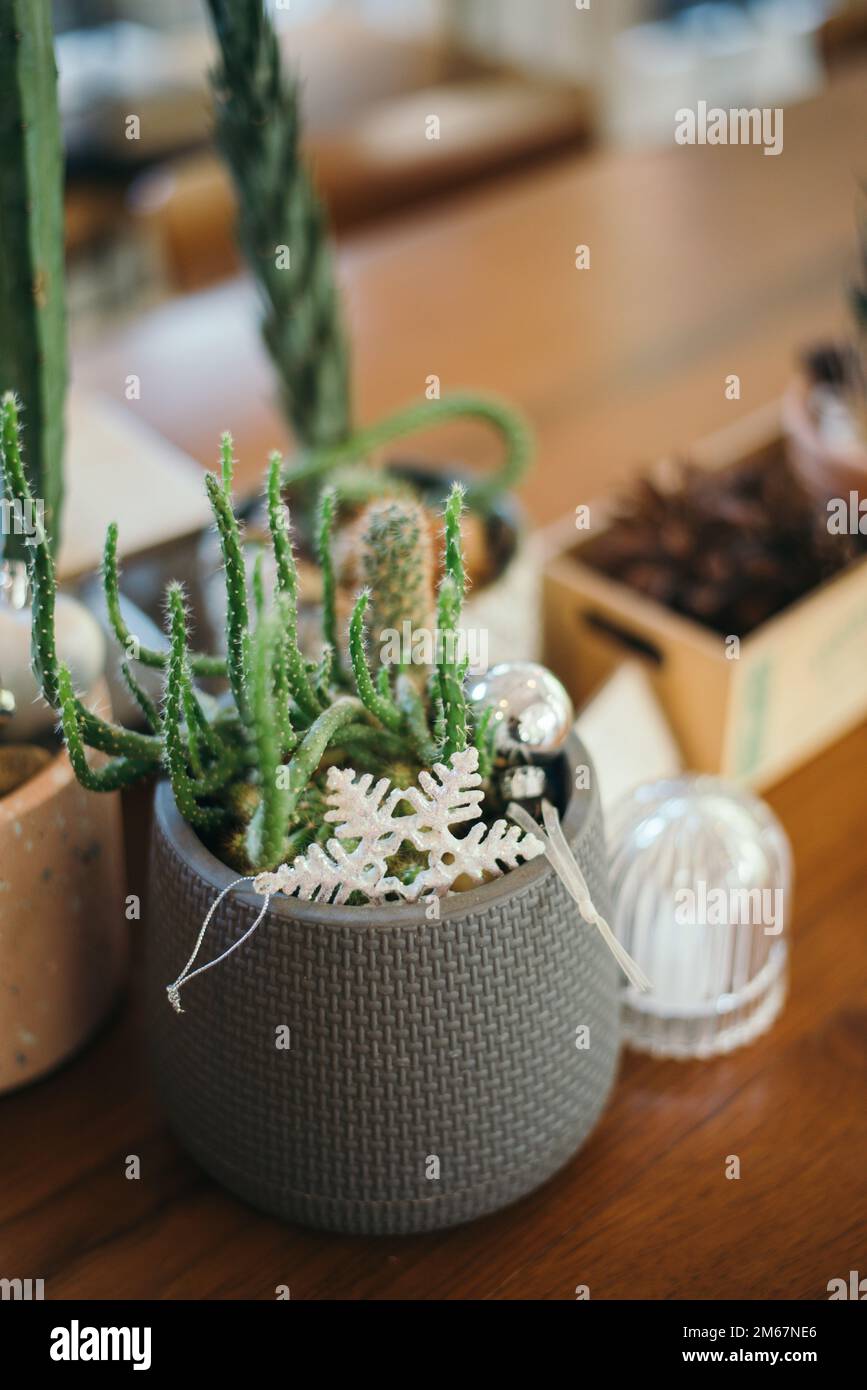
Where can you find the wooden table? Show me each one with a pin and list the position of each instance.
(704, 262)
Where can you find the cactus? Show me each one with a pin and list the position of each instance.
(376, 698)
(248, 775)
(396, 566)
(328, 461)
(451, 672)
(324, 531)
(283, 235)
(267, 829)
(33, 342)
(281, 222)
(297, 675)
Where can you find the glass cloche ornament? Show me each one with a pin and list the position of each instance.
(701, 885)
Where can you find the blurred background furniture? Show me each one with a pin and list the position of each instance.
(705, 261)
(150, 208)
(368, 143)
(368, 94)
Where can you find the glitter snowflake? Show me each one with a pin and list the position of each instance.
(372, 818)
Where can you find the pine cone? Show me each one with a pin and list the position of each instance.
(729, 547)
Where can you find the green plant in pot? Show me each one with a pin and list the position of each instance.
(50, 908)
(283, 234)
(344, 999)
(825, 409)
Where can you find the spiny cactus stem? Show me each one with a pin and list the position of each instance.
(484, 742)
(397, 566)
(194, 733)
(454, 562)
(200, 664)
(267, 829)
(206, 818)
(237, 618)
(415, 716)
(98, 733)
(381, 708)
(324, 674)
(259, 585)
(121, 772)
(287, 584)
(33, 356)
(196, 716)
(288, 736)
(113, 738)
(142, 699)
(323, 731)
(282, 222)
(40, 565)
(306, 699)
(230, 760)
(324, 529)
(450, 606)
(423, 415)
(439, 721)
(287, 575)
(227, 462)
(450, 678)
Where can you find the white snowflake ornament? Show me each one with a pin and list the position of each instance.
(365, 813)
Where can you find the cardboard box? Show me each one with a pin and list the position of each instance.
(799, 682)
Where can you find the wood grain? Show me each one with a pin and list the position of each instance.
(704, 262)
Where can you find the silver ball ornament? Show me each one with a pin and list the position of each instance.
(532, 710)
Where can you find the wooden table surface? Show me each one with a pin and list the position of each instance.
(704, 262)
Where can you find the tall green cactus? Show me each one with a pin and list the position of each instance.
(33, 329)
(283, 235)
(281, 222)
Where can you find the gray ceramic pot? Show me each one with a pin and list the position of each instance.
(432, 1073)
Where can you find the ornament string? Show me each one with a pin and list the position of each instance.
(174, 990)
(551, 841)
(564, 864)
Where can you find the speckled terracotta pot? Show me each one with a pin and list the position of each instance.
(63, 929)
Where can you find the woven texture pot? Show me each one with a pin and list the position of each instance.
(433, 1073)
